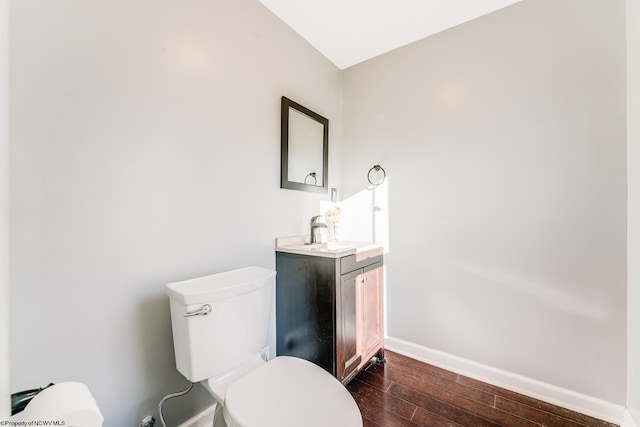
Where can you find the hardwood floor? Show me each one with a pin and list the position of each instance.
(406, 392)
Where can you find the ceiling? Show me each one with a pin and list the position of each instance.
(351, 31)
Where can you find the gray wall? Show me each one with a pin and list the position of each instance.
(145, 148)
(633, 160)
(504, 141)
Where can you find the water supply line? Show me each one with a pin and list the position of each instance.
(170, 396)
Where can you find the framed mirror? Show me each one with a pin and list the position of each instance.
(304, 148)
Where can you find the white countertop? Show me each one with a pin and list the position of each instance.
(298, 245)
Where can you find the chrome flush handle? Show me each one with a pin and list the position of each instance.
(202, 311)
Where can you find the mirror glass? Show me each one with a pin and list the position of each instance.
(305, 140)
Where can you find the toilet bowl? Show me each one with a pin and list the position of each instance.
(283, 392)
(222, 319)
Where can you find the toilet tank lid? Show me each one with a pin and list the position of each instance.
(219, 286)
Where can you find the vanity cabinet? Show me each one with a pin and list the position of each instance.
(329, 309)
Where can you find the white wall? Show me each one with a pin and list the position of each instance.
(633, 232)
(145, 148)
(504, 142)
(5, 407)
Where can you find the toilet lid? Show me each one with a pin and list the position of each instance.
(290, 392)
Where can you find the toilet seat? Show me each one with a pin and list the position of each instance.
(289, 392)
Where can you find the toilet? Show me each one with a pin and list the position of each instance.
(220, 326)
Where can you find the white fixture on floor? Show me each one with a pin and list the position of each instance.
(220, 325)
(69, 404)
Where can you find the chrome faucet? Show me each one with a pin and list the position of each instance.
(316, 222)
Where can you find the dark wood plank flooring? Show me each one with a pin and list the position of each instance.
(406, 392)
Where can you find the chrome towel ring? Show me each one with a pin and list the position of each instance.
(375, 177)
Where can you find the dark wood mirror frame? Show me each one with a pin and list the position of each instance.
(320, 187)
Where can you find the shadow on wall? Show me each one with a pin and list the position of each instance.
(155, 340)
(545, 292)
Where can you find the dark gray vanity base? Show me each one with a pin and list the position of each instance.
(316, 310)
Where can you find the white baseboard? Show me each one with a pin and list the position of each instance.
(203, 419)
(627, 420)
(542, 391)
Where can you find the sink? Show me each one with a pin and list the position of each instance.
(335, 246)
(298, 245)
(329, 247)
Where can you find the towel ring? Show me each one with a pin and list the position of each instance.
(312, 175)
(374, 181)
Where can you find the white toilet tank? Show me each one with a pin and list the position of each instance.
(220, 321)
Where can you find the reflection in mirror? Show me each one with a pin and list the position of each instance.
(305, 148)
(305, 140)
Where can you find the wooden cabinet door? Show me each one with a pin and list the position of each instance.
(348, 359)
(370, 312)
